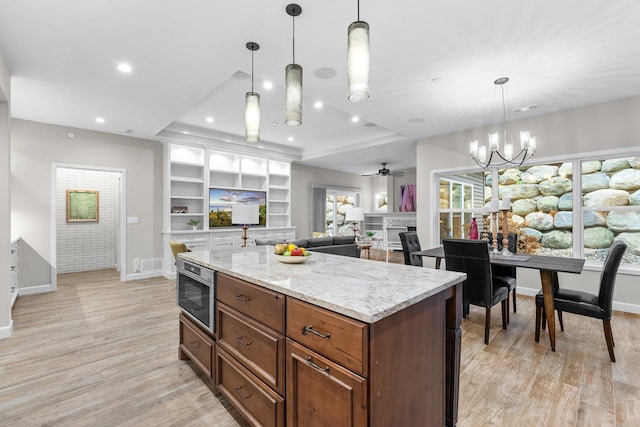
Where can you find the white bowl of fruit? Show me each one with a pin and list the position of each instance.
(289, 253)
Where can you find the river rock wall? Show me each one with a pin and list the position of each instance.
(542, 202)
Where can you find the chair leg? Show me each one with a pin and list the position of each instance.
(487, 324)
(544, 319)
(507, 303)
(514, 300)
(609, 337)
(538, 321)
(560, 319)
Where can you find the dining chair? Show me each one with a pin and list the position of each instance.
(410, 244)
(472, 257)
(587, 304)
(176, 248)
(393, 239)
(505, 275)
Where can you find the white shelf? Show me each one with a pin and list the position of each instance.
(182, 179)
(190, 214)
(187, 197)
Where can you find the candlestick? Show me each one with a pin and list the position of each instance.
(494, 230)
(505, 234)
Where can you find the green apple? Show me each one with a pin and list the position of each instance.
(286, 253)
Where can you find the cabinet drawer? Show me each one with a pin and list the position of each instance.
(260, 405)
(320, 392)
(257, 347)
(258, 303)
(196, 345)
(337, 337)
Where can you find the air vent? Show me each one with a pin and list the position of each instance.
(151, 264)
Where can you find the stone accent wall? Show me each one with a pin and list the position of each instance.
(542, 203)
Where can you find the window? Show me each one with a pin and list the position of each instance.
(575, 208)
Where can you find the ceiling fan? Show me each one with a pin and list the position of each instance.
(385, 172)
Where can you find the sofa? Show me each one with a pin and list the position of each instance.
(337, 245)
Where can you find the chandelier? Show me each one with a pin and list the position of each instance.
(506, 157)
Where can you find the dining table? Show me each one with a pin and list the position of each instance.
(549, 267)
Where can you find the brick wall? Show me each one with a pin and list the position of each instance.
(83, 246)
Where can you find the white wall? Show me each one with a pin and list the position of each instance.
(612, 125)
(83, 246)
(5, 199)
(36, 146)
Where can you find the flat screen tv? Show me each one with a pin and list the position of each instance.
(222, 199)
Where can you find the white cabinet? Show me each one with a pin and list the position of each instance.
(13, 261)
(379, 222)
(279, 209)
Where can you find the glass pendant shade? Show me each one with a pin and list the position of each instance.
(358, 61)
(252, 117)
(293, 95)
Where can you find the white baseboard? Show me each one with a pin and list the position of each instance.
(171, 275)
(38, 289)
(6, 331)
(618, 306)
(145, 275)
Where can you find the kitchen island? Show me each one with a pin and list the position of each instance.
(343, 341)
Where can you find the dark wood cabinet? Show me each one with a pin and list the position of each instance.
(196, 345)
(321, 392)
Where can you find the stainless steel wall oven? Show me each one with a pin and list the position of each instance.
(195, 293)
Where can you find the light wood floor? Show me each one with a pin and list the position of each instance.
(102, 352)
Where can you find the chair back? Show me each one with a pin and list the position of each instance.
(411, 244)
(608, 276)
(177, 247)
(471, 257)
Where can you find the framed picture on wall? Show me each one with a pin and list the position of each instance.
(82, 206)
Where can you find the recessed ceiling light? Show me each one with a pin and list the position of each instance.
(435, 80)
(416, 120)
(125, 68)
(261, 147)
(318, 105)
(355, 119)
(370, 125)
(290, 139)
(525, 108)
(99, 120)
(209, 119)
(71, 134)
(267, 85)
(227, 140)
(274, 123)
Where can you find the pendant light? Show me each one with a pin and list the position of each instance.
(293, 78)
(252, 105)
(358, 60)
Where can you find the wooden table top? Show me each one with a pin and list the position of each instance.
(538, 262)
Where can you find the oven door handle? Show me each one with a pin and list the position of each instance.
(194, 277)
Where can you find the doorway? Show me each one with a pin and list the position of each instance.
(88, 242)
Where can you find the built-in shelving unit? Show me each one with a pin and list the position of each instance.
(193, 170)
(379, 222)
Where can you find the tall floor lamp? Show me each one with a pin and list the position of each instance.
(244, 214)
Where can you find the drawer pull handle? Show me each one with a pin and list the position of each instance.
(13, 251)
(245, 343)
(313, 365)
(13, 267)
(242, 395)
(314, 332)
(194, 345)
(243, 298)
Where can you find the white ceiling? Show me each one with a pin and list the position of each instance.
(62, 56)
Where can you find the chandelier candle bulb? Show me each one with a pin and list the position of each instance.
(473, 148)
(494, 143)
(482, 153)
(508, 150)
(524, 139)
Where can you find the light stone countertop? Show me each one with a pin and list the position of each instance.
(362, 289)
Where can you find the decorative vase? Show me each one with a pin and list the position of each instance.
(473, 230)
(194, 227)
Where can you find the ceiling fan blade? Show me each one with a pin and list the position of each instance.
(396, 173)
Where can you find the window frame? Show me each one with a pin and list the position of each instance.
(577, 209)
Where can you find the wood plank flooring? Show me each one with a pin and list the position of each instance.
(102, 352)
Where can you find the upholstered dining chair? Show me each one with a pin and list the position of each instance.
(505, 275)
(176, 248)
(411, 244)
(472, 257)
(588, 304)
